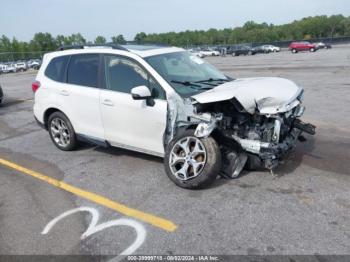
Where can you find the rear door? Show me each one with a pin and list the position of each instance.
(129, 123)
(81, 94)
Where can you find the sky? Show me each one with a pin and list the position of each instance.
(23, 18)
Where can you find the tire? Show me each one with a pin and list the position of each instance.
(294, 51)
(312, 50)
(207, 172)
(250, 53)
(253, 163)
(63, 128)
(234, 54)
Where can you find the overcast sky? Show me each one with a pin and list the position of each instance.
(23, 19)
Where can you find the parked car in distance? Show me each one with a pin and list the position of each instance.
(1, 95)
(239, 50)
(258, 50)
(209, 52)
(21, 66)
(9, 68)
(167, 102)
(35, 64)
(296, 47)
(2, 67)
(322, 45)
(196, 52)
(271, 48)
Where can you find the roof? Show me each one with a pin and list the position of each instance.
(140, 50)
(151, 50)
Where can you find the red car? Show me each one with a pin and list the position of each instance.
(296, 47)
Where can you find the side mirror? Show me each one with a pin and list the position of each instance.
(141, 93)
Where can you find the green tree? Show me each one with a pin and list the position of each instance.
(119, 39)
(77, 39)
(140, 37)
(306, 28)
(346, 26)
(5, 44)
(100, 40)
(43, 42)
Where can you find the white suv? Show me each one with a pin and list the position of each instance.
(167, 102)
(21, 66)
(271, 48)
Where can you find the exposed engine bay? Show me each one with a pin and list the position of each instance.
(260, 139)
(257, 137)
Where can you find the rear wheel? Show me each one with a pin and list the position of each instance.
(192, 162)
(312, 49)
(294, 51)
(61, 132)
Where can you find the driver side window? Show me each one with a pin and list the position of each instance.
(122, 75)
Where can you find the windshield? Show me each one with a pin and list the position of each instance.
(187, 73)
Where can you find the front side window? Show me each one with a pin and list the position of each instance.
(123, 74)
(56, 68)
(186, 73)
(83, 70)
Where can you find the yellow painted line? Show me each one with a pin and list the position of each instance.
(103, 201)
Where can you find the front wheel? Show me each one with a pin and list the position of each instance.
(312, 50)
(192, 162)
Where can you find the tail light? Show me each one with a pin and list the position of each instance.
(35, 86)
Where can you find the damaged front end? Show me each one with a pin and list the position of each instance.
(262, 138)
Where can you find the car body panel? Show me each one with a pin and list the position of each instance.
(132, 122)
(272, 93)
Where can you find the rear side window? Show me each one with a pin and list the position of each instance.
(83, 70)
(56, 68)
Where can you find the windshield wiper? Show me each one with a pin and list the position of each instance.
(213, 80)
(185, 83)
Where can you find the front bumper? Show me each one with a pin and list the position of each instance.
(271, 152)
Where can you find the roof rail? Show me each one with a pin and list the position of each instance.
(146, 43)
(111, 45)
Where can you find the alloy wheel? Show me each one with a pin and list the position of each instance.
(187, 158)
(60, 132)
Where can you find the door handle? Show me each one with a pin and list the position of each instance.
(64, 92)
(107, 102)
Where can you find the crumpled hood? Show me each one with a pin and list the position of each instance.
(271, 94)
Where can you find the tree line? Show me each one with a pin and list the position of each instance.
(250, 32)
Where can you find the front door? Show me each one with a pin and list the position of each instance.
(134, 124)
